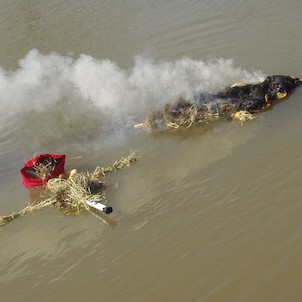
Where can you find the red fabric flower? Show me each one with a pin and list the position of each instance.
(54, 162)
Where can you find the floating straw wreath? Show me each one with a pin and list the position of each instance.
(71, 195)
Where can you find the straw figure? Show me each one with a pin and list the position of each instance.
(239, 102)
(68, 194)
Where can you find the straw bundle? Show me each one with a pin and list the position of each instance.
(184, 114)
(42, 169)
(179, 116)
(71, 194)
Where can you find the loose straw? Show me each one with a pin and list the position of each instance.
(183, 115)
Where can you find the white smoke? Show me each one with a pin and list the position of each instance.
(52, 97)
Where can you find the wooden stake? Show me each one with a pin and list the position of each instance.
(138, 126)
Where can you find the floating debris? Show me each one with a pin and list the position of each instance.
(71, 195)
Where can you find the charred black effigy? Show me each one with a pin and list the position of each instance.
(239, 101)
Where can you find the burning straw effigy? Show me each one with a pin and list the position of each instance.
(239, 101)
(71, 194)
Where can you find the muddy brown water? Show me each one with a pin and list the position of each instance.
(202, 216)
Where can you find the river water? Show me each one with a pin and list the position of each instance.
(202, 216)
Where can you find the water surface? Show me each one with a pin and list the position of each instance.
(202, 216)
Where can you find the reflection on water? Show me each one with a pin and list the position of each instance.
(202, 216)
